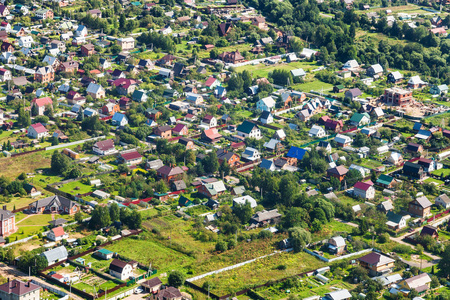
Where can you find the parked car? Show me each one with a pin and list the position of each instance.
(138, 290)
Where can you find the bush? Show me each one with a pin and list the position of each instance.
(402, 249)
(221, 246)
(264, 234)
(281, 267)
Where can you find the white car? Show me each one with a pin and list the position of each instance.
(138, 290)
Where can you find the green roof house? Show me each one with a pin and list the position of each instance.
(360, 119)
(104, 254)
(385, 181)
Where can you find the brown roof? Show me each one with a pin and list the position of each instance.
(152, 282)
(339, 170)
(168, 293)
(117, 265)
(105, 145)
(19, 288)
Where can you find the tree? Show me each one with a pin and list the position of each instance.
(299, 238)
(79, 217)
(221, 246)
(60, 163)
(114, 212)
(444, 263)
(288, 189)
(23, 118)
(224, 168)
(176, 279)
(243, 211)
(352, 177)
(211, 164)
(100, 218)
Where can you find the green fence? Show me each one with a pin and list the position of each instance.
(143, 276)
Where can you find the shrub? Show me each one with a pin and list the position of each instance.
(402, 249)
(221, 246)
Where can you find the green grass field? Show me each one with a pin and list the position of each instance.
(261, 70)
(261, 271)
(435, 181)
(77, 187)
(13, 166)
(315, 85)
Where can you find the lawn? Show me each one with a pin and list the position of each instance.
(435, 181)
(262, 70)
(18, 202)
(97, 264)
(77, 187)
(261, 271)
(443, 172)
(330, 229)
(370, 164)
(25, 231)
(92, 284)
(13, 166)
(37, 220)
(315, 85)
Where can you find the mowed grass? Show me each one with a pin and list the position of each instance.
(261, 271)
(77, 187)
(443, 172)
(315, 85)
(37, 220)
(261, 70)
(13, 166)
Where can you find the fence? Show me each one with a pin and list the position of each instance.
(73, 143)
(438, 216)
(27, 152)
(51, 289)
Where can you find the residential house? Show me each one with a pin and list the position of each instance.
(353, 93)
(213, 189)
(105, 147)
(249, 130)
(7, 222)
(338, 172)
(211, 83)
(397, 97)
(359, 119)
(428, 165)
(187, 143)
(164, 132)
(55, 255)
(415, 149)
(75, 98)
(44, 74)
(395, 158)
(351, 64)
(395, 77)
(266, 117)
(377, 264)
(324, 145)
(169, 293)
(54, 204)
(152, 285)
(211, 135)
(209, 121)
(130, 157)
(194, 99)
(125, 86)
(439, 89)
(87, 50)
(96, 91)
(317, 132)
(69, 66)
(443, 200)
(126, 44)
(413, 170)
(169, 173)
(104, 254)
(419, 283)
(57, 234)
(364, 190)
(5, 75)
(343, 140)
(41, 105)
(244, 200)
(19, 290)
(121, 269)
(415, 82)
(385, 181)
(429, 230)
(26, 42)
(230, 157)
(119, 120)
(37, 131)
(81, 31)
(336, 245)
(338, 295)
(4, 11)
(44, 14)
(264, 218)
(375, 71)
(251, 154)
(260, 22)
(266, 104)
(110, 108)
(224, 28)
(335, 126)
(420, 207)
(180, 129)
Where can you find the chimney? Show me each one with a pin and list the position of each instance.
(4, 207)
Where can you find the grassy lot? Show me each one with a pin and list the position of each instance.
(36, 220)
(18, 202)
(262, 70)
(308, 287)
(444, 172)
(435, 181)
(330, 229)
(13, 166)
(437, 120)
(315, 85)
(77, 187)
(261, 271)
(370, 164)
(87, 284)
(26, 231)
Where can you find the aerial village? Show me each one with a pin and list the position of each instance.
(226, 149)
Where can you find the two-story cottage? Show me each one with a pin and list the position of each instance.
(231, 158)
(164, 132)
(96, 91)
(249, 130)
(377, 264)
(266, 104)
(420, 207)
(37, 131)
(121, 269)
(44, 74)
(7, 222)
(364, 190)
(105, 147)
